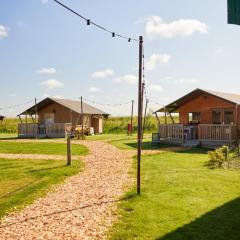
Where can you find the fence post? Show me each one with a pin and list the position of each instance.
(69, 160)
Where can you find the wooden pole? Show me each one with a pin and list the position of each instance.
(132, 118)
(145, 115)
(69, 159)
(36, 118)
(165, 113)
(139, 146)
(82, 118)
(157, 118)
(172, 118)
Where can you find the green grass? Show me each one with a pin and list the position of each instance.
(124, 142)
(40, 148)
(181, 199)
(22, 181)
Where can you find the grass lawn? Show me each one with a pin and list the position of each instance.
(181, 199)
(40, 148)
(8, 135)
(124, 142)
(22, 181)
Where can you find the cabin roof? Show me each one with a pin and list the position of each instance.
(74, 105)
(174, 106)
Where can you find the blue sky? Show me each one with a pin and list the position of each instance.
(46, 51)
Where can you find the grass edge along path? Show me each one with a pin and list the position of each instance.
(49, 148)
(181, 199)
(23, 181)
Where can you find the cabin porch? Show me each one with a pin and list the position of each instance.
(206, 135)
(34, 130)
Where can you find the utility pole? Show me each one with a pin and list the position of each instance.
(145, 115)
(139, 145)
(36, 118)
(132, 118)
(82, 118)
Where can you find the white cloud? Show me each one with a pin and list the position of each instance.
(44, 1)
(12, 95)
(155, 26)
(48, 71)
(155, 88)
(94, 89)
(3, 31)
(102, 74)
(155, 59)
(127, 79)
(52, 83)
(186, 81)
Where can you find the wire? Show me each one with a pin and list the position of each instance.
(16, 106)
(107, 104)
(89, 22)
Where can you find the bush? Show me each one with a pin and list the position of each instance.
(218, 157)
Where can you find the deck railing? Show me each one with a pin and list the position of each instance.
(217, 132)
(38, 130)
(171, 132)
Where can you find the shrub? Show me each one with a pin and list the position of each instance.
(218, 157)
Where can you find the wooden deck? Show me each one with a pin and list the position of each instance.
(33, 130)
(206, 135)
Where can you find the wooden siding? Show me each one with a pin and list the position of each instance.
(205, 104)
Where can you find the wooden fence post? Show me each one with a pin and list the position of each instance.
(69, 159)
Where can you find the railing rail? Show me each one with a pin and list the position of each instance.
(50, 130)
(171, 131)
(217, 132)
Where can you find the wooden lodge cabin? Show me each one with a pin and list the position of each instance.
(52, 115)
(206, 118)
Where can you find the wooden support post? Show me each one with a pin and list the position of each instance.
(171, 118)
(145, 115)
(157, 118)
(82, 118)
(20, 118)
(26, 123)
(132, 118)
(165, 114)
(69, 157)
(139, 145)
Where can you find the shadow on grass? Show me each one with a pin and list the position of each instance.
(8, 138)
(150, 146)
(221, 223)
(46, 169)
(145, 145)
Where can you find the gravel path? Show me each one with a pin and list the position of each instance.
(81, 208)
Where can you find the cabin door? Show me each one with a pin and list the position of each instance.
(48, 118)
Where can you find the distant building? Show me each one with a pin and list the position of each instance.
(53, 114)
(1, 118)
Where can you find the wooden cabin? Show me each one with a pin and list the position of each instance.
(51, 116)
(206, 118)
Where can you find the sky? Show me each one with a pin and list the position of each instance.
(47, 51)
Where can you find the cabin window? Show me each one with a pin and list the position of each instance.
(194, 117)
(228, 117)
(216, 117)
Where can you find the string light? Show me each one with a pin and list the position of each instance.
(16, 105)
(107, 104)
(89, 22)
